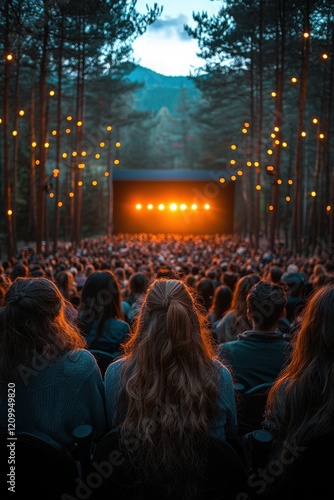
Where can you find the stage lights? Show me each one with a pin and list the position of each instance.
(171, 207)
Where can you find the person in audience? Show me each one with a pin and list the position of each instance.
(236, 319)
(100, 314)
(66, 284)
(300, 406)
(169, 390)
(222, 300)
(58, 384)
(206, 289)
(259, 354)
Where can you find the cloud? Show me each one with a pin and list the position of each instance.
(171, 27)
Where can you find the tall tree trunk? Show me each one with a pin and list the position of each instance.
(296, 234)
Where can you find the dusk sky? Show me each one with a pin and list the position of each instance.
(165, 47)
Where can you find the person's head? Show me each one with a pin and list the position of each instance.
(33, 325)
(206, 289)
(275, 274)
(138, 283)
(100, 299)
(65, 282)
(170, 319)
(19, 270)
(242, 287)
(265, 305)
(222, 300)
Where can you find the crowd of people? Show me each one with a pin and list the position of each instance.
(186, 319)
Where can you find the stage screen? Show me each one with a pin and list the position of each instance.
(184, 207)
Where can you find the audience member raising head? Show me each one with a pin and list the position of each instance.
(57, 381)
(100, 312)
(169, 390)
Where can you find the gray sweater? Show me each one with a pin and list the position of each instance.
(55, 398)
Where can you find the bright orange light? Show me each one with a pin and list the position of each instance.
(284, 144)
(9, 57)
(325, 56)
(161, 206)
(117, 144)
(138, 206)
(233, 178)
(273, 136)
(321, 136)
(246, 124)
(294, 79)
(94, 183)
(109, 127)
(276, 129)
(183, 206)
(47, 145)
(303, 134)
(54, 132)
(290, 181)
(150, 206)
(279, 181)
(271, 208)
(82, 165)
(277, 142)
(256, 164)
(270, 151)
(79, 123)
(21, 112)
(207, 206)
(71, 194)
(14, 133)
(194, 206)
(232, 162)
(74, 153)
(173, 207)
(270, 168)
(102, 144)
(51, 195)
(68, 131)
(273, 94)
(244, 131)
(83, 153)
(10, 212)
(328, 208)
(52, 93)
(106, 174)
(240, 173)
(116, 162)
(69, 118)
(80, 183)
(306, 35)
(56, 172)
(258, 187)
(64, 155)
(249, 164)
(288, 198)
(60, 204)
(315, 121)
(222, 180)
(37, 162)
(313, 194)
(97, 156)
(233, 146)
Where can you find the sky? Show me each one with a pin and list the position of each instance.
(165, 47)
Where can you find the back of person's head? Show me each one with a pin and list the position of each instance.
(19, 270)
(100, 298)
(242, 287)
(33, 323)
(275, 274)
(222, 300)
(65, 282)
(266, 304)
(230, 279)
(138, 282)
(206, 290)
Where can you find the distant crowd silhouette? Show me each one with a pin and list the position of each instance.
(172, 341)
